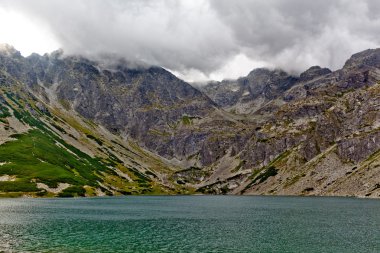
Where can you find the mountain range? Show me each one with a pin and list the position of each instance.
(70, 126)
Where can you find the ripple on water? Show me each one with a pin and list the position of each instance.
(190, 224)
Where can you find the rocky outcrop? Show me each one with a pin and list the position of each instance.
(322, 115)
(266, 133)
(248, 94)
(314, 72)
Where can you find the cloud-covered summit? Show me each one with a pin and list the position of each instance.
(211, 38)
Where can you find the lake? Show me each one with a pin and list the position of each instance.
(190, 224)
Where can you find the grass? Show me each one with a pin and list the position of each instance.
(21, 185)
(186, 120)
(35, 156)
(140, 184)
(97, 140)
(41, 155)
(4, 111)
(73, 191)
(59, 128)
(262, 177)
(65, 104)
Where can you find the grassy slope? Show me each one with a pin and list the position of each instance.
(35, 155)
(42, 156)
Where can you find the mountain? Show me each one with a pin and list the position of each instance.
(74, 127)
(248, 94)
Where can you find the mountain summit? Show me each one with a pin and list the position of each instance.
(71, 127)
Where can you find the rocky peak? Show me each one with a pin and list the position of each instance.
(248, 94)
(314, 72)
(8, 50)
(259, 71)
(331, 119)
(367, 58)
(268, 82)
(265, 75)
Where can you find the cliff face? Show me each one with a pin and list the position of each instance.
(248, 94)
(318, 137)
(267, 133)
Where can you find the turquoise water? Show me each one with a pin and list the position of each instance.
(190, 224)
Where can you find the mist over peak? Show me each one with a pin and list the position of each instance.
(210, 39)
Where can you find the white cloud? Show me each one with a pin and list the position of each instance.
(25, 35)
(197, 39)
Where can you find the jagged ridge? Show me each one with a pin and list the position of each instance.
(267, 133)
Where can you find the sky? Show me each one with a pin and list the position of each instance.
(197, 40)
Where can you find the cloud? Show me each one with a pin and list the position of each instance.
(24, 34)
(296, 34)
(178, 35)
(202, 39)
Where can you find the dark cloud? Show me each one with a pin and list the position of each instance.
(295, 34)
(202, 36)
(176, 34)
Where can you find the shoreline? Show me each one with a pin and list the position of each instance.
(189, 195)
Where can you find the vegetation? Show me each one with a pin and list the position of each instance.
(41, 156)
(73, 191)
(97, 140)
(4, 112)
(239, 166)
(186, 120)
(38, 156)
(59, 128)
(262, 177)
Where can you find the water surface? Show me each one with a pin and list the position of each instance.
(190, 224)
